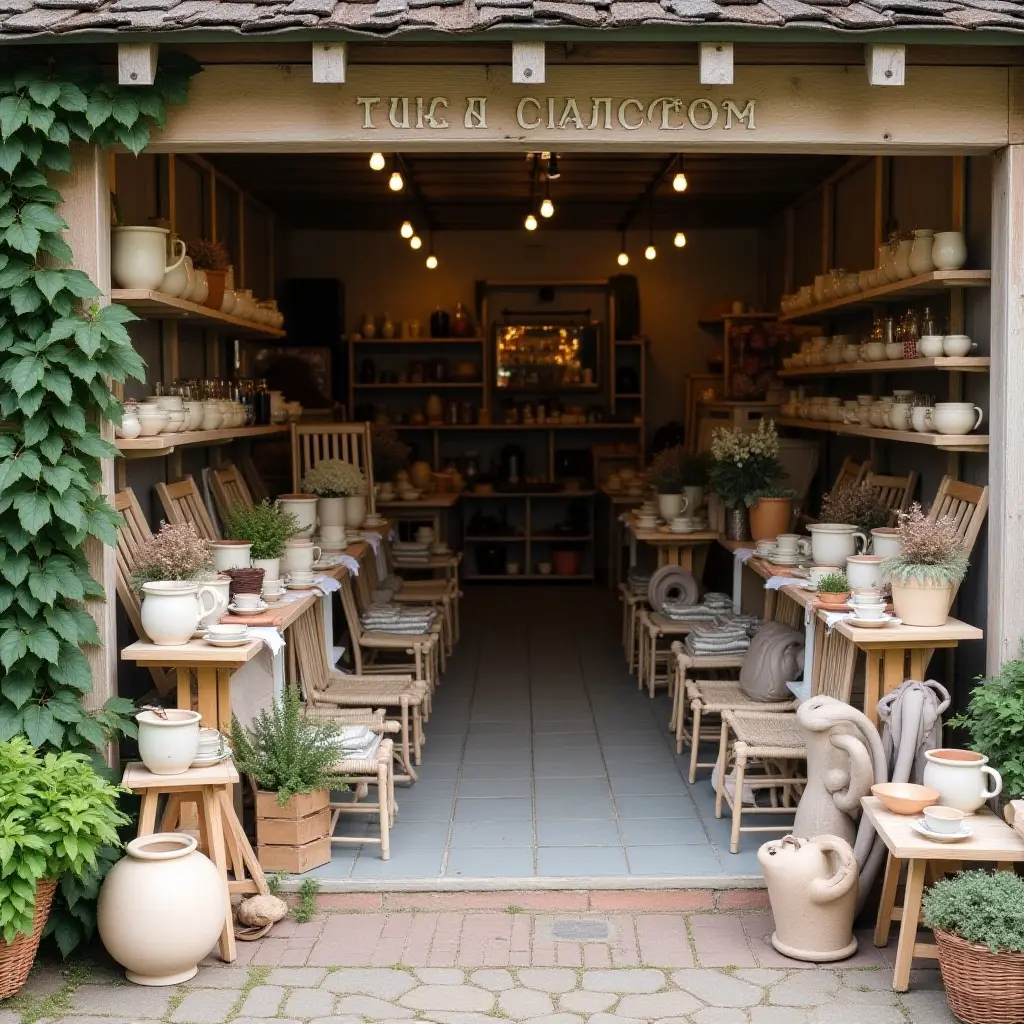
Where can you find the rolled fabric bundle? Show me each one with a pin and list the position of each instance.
(672, 584)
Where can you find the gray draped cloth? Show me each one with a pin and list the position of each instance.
(911, 718)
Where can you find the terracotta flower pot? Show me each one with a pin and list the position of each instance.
(833, 601)
(216, 280)
(921, 604)
(770, 517)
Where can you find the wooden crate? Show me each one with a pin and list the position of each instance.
(295, 837)
(299, 806)
(293, 831)
(295, 859)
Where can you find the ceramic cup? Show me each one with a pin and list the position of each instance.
(956, 417)
(869, 611)
(930, 346)
(957, 345)
(544, 568)
(301, 576)
(244, 601)
(792, 544)
(946, 820)
(920, 418)
(512, 568)
(225, 631)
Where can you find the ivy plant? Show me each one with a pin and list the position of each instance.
(59, 351)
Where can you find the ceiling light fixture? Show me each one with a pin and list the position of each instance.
(377, 161)
(650, 252)
(547, 208)
(530, 223)
(415, 242)
(553, 172)
(395, 182)
(679, 182)
(431, 262)
(623, 258)
(406, 230)
(680, 240)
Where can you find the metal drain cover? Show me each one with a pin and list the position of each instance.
(580, 930)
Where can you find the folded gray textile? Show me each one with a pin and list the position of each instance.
(714, 606)
(638, 582)
(672, 584)
(717, 638)
(396, 618)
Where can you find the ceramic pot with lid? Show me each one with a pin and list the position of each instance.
(171, 610)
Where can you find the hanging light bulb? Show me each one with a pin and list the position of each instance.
(376, 161)
(650, 252)
(680, 240)
(431, 262)
(530, 223)
(415, 242)
(679, 182)
(406, 229)
(622, 259)
(547, 208)
(395, 182)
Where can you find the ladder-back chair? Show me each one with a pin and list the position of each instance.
(896, 491)
(183, 503)
(229, 490)
(257, 488)
(965, 504)
(851, 473)
(315, 442)
(132, 537)
(326, 689)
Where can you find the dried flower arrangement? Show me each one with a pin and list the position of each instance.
(859, 506)
(746, 467)
(930, 551)
(177, 552)
(334, 478)
(209, 255)
(674, 468)
(390, 455)
(265, 525)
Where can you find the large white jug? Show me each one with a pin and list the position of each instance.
(138, 257)
(171, 610)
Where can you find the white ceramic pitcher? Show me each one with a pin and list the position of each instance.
(138, 257)
(959, 778)
(833, 543)
(171, 610)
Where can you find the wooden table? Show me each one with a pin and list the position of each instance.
(993, 841)
(672, 548)
(433, 509)
(618, 502)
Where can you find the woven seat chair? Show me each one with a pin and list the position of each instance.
(655, 664)
(327, 690)
(443, 591)
(359, 774)
(182, 503)
(632, 604)
(229, 489)
(775, 740)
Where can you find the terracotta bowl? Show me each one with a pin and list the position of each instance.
(904, 797)
(833, 600)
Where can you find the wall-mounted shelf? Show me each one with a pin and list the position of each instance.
(164, 444)
(519, 426)
(956, 364)
(416, 341)
(943, 442)
(937, 282)
(420, 386)
(156, 306)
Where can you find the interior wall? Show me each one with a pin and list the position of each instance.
(382, 274)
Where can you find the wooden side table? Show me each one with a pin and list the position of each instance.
(993, 841)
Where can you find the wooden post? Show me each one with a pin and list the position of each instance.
(136, 63)
(330, 61)
(1005, 627)
(528, 63)
(86, 192)
(716, 64)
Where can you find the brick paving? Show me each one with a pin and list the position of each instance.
(439, 958)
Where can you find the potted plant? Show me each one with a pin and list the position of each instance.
(978, 920)
(266, 527)
(696, 467)
(390, 455)
(57, 814)
(930, 564)
(665, 475)
(332, 481)
(862, 507)
(289, 755)
(833, 590)
(214, 259)
(745, 474)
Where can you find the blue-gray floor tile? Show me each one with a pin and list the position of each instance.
(637, 785)
(421, 834)
(655, 807)
(600, 832)
(505, 862)
(673, 860)
(569, 769)
(557, 807)
(580, 861)
(404, 862)
(499, 809)
(423, 810)
(470, 787)
(664, 832)
(578, 789)
(497, 770)
(468, 835)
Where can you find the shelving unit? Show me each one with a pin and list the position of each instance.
(944, 442)
(959, 364)
(152, 305)
(164, 444)
(419, 385)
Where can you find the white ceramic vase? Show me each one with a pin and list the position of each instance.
(138, 256)
(231, 554)
(885, 541)
(921, 252)
(179, 280)
(901, 259)
(949, 250)
(271, 567)
(864, 571)
(833, 543)
(171, 610)
(355, 511)
(168, 742)
(161, 909)
(303, 507)
(959, 777)
(331, 513)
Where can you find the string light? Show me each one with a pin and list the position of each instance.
(680, 240)
(547, 208)
(395, 182)
(530, 223)
(415, 242)
(679, 182)
(406, 229)
(650, 252)
(622, 259)
(431, 262)
(376, 161)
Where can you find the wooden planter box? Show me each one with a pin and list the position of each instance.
(296, 837)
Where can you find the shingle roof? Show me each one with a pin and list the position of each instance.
(20, 19)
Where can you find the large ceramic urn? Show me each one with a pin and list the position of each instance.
(138, 257)
(833, 543)
(161, 909)
(813, 886)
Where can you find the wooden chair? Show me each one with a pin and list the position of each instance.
(895, 491)
(443, 590)
(133, 535)
(965, 504)
(315, 442)
(183, 503)
(257, 488)
(850, 474)
(327, 690)
(229, 490)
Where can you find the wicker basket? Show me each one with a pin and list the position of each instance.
(982, 987)
(17, 957)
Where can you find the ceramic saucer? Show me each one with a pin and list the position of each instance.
(374, 521)
(220, 642)
(261, 607)
(885, 620)
(920, 826)
(209, 762)
(301, 586)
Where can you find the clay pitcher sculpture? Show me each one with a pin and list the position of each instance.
(813, 888)
(844, 760)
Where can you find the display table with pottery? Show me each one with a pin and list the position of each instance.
(672, 548)
(991, 841)
(617, 502)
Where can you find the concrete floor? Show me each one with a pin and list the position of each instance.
(544, 762)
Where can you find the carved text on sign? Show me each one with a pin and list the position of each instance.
(666, 113)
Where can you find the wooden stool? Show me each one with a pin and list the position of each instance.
(221, 837)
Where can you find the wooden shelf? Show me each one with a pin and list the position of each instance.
(431, 386)
(958, 364)
(520, 426)
(935, 283)
(494, 540)
(164, 444)
(152, 305)
(416, 341)
(529, 494)
(944, 442)
(586, 577)
(562, 538)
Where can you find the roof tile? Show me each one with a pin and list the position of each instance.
(693, 10)
(859, 15)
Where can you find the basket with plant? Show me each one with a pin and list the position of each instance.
(833, 590)
(177, 552)
(212, 258)
(861, 506)
(978, 920)
(931, 564)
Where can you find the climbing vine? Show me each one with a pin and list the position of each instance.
(59, 351)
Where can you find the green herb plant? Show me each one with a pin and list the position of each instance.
(286, 750)
(982, 907)
(56, 816)
(266, 525)
(305, 909)
(746, 466)
(834, 583)
(994, 720)
(60, 349)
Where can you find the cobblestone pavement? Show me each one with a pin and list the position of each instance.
(555, 958)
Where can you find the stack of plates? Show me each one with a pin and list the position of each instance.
(227, 634)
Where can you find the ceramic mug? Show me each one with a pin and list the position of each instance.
(946, 821)
(792, 544)
(921, 418)
(885, 541)
(247, 601)
(300, 554)
(869, 611)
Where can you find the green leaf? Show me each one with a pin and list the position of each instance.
(81, 287)
(35, 429)
(72, 98)
(15, 272)
(26, 299)
(59, 133)
(136, 138)
(49, 282)
(91, 730)
(117, 314)
(53, 243)
(42, 584)
(10, 722)
(33, 511)
(88, 337)
(42, 217)
(44, 644)
(72, 669)
(125, 110)
(36, 722)
(69, 509)
(88, 633)
(52, 448)
(94, 445)
(27, 373)
(15, 568)
(13, 647)
(67, 580)
(10, 153)
(69, 417)
(41, 118)
(23, 237)
(46, 93)
(29, 465)
(13, 114)
(17, 688)
(68, 710)
(58, 478)
(98, 110)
